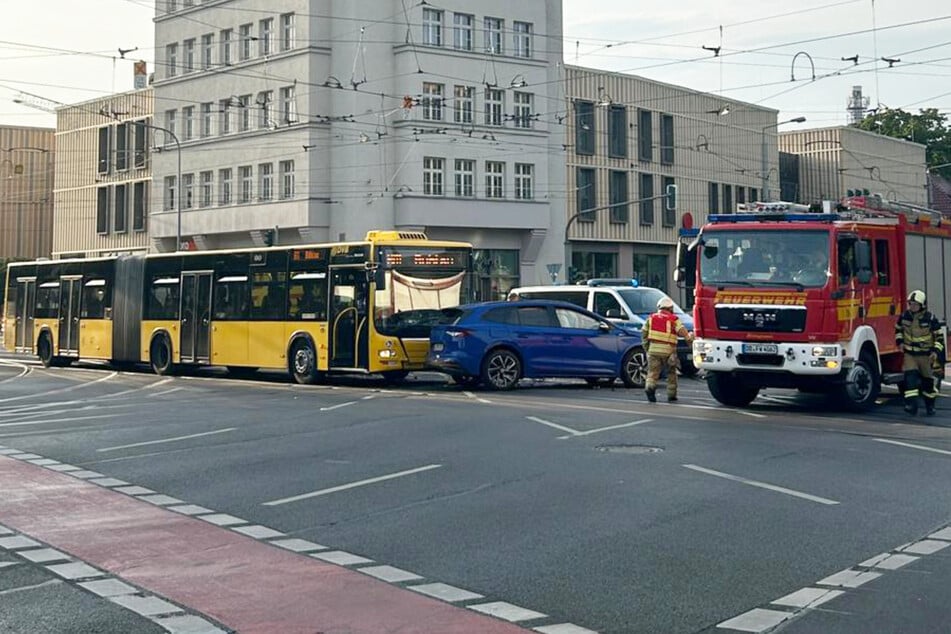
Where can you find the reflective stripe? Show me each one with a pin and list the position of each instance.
(911, 394)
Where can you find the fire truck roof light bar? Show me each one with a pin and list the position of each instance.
(774, 217)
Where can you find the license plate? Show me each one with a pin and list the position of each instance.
(437, 347)
(760, 348)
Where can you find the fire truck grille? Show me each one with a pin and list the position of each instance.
(760, 319)
(759, 359)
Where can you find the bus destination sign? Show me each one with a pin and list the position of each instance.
(308, 255)
(425, 259)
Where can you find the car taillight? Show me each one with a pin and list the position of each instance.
(458, 333)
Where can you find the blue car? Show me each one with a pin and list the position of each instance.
(499, 343)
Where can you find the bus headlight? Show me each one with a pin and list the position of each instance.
(387, 354)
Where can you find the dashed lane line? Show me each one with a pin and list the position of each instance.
(352, 485)
(762, 485)
(166, 440)
(58, 420)
(338, 406)
(912, 446)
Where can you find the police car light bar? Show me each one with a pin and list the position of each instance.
(779, 207)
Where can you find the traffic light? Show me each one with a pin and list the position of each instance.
(671, 199)
(269, 237)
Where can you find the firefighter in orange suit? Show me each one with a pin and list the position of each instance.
(918, 334)
(660, 334)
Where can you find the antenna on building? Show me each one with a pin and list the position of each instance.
(857, 105)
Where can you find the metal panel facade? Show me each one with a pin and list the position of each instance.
(26, 192)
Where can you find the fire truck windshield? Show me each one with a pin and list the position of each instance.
(764, 257)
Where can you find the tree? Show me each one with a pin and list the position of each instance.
(928, 127)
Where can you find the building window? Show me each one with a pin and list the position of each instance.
(617, 131)
(105, 150)
(713, 198)
(463, 104)
(494, 106)
(645, 135)
(524, 181)
(121, 216)
(523, 38)
(141, 144)
(206, 119)
(753, 194)
(102, 210)
(523, 109)
(287, 31)
(433, 176)
(584, 127)
(585, 194)
(188, 122)
(266, 178)
(651, 270)
(462, 31)
(496, 272)
(494, 179)
(288, 105)
(227, 41)
(189, 55)
(646, 197)
(666, 139)
(139, 205)
(619, 198)
(224, 109)
(171, 60)
(170, 200)
(207, 188)
(188, 191)
(265, 37)
(207, 48)
(247, 183)
(170, 117)
(669, 217)
(432, 27)
(728, 199)
(493, 35)
(592, 264)
(287, 179)
(432, 101)
(171, 6)
(244, 31)
(224, 186)
(465, 178)
(244, 103)
(122, 147)
(264, 101)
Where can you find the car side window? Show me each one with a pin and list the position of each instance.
(501, 316)
(605, 301)
(534, 316)
(573, 319)
(578, 298)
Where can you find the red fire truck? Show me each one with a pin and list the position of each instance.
(807, 297)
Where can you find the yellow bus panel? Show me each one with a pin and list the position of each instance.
(229, 343)
(267, 345)
(95, 339)
(149, 328)
(9, 334)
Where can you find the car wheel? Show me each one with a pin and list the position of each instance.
(501, 370)
(728, 391)
(634, 368)
(160, 356)
(44, 349)
(303, 361)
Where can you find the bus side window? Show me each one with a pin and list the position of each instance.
(231, 298)
(95, 299)
(163, 298)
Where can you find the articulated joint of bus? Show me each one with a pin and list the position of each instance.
(808, 359)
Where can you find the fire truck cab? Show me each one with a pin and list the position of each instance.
(807, 297)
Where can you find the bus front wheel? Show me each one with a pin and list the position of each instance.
(303, 362)
(160, 356)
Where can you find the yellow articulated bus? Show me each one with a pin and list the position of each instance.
(311, 310)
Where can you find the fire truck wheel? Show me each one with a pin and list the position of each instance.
(729, 391)
(862, 385)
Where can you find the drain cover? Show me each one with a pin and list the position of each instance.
(636, 449)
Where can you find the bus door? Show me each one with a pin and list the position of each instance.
(349, 292)
(70, 289)
(26, 302)
(196, 316)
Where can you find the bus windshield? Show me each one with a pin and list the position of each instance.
(420, 285)
(765, 258)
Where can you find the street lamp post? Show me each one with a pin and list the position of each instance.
(764, 158)
(178, 180)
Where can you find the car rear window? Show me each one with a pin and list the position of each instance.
(578, 298)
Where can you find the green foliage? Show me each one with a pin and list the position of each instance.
(929, 127)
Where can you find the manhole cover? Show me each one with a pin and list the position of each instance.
(637, 449)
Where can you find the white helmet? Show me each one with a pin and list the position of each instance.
(917, 296)
(665, 302)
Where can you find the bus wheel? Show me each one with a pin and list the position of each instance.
(395, 377)
(160, 356)
(44, 349)
(729, 391)
(303, 362)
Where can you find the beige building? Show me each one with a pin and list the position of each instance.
(26, 192)
(103, 176)
(827, 162)
(628, 139)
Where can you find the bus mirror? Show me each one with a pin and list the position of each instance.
(379, 278)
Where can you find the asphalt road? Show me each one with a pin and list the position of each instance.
(588, 506)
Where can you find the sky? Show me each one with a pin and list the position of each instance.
(783, 56)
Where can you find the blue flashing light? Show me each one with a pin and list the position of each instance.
(610, 281)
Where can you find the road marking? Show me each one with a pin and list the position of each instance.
(352, 485)
(57, 420)
(756, 620)
(164, 440)
(721, 409)
(849, 578)
(447, 593)
(164, 392)
(332, 407)
(35, 586)
(808, 597)
(24, 370)
(762, 485)
(108, 377)
(341, 558)
(507, 611)
(596, 431)
(911, 446)
(473, 396)
(554, 425)
(389, 573)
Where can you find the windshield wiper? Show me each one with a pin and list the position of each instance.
(795, 285)
(723, 284)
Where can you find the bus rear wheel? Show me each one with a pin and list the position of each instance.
(303, 362)
(44, 349)
(160, 356)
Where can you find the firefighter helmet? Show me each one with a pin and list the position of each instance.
(917, 296)
(665, 302)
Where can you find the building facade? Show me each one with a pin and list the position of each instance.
(832, 161)
(628, 139)
(103, 176)
(322, 120)
(26, 192)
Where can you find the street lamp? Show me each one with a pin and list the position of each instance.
(764, 170)
(178, 181)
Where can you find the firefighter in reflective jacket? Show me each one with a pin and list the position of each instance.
(918, 334)
(660, 338)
